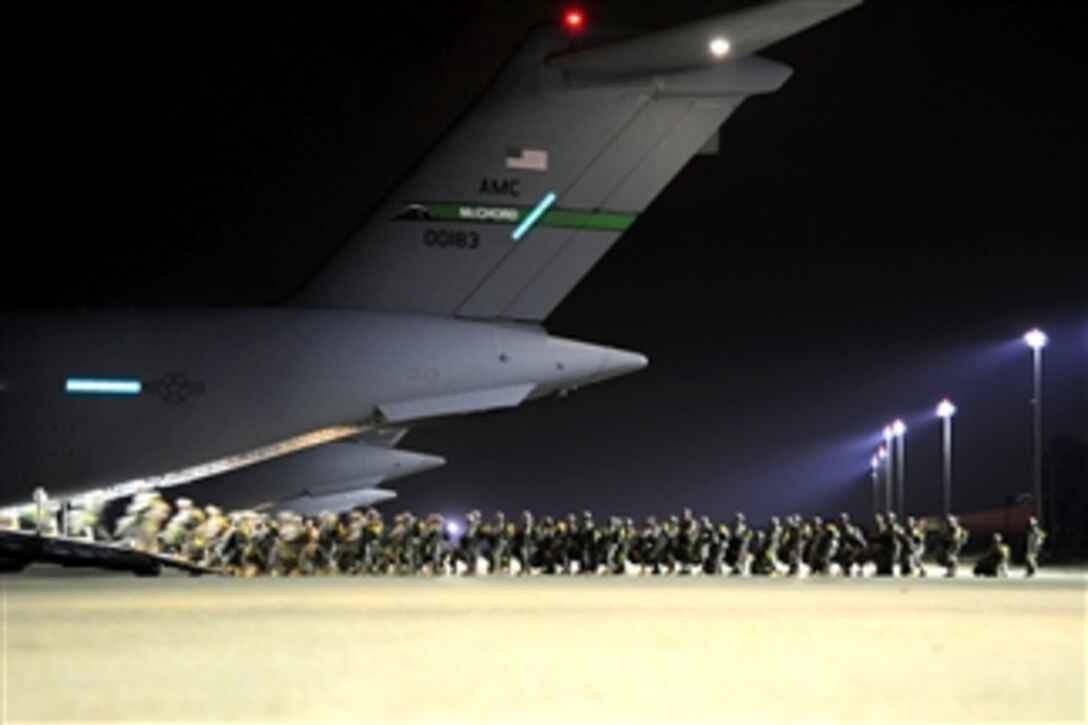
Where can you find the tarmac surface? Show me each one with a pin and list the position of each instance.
(81, 646)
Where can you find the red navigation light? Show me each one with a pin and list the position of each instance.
(574, 19)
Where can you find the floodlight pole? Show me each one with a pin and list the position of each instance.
(1036, 340)
(901, 474)
(874, 473)
(945, 410)
(899, 430)
(889, 474)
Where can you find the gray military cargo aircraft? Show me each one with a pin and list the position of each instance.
(432, 308)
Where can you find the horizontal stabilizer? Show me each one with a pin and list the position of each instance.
(335, 502)
(689, 46)
(476, 401)
(333, 468)
(382, 437)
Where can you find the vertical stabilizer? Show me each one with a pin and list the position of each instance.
(552, 165)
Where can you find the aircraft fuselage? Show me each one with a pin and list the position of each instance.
(186, 387)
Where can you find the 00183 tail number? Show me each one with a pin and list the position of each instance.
(451, 239)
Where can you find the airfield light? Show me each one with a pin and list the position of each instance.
(874, 475)
(945, 411)
(885, 459)
(899, 428)
(574, 19)
(1035, 339)
(719, 47)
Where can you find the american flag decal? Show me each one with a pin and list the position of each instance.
(522, 159)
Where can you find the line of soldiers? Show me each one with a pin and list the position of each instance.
(363, 543)
(250, 543)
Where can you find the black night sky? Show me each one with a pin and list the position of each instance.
(876, 235)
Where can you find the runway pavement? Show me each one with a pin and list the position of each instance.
(87, 646)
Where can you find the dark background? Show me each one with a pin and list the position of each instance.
(874, 236)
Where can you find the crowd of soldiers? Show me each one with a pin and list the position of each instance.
(357, 542)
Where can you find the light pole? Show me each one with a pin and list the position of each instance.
(899, 429)
(889, 477)
(945, 411)
(1036, 340)
(874, 465)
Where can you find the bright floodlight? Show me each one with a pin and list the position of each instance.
(452, 528)
(719, 47)
(882, 452)
(874, 461)
(1035, 339)
(899, 427)
(945, 409)
(888, 433)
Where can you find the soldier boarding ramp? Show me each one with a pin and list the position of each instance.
(19, 549)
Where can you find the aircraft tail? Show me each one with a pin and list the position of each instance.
(553, 164)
